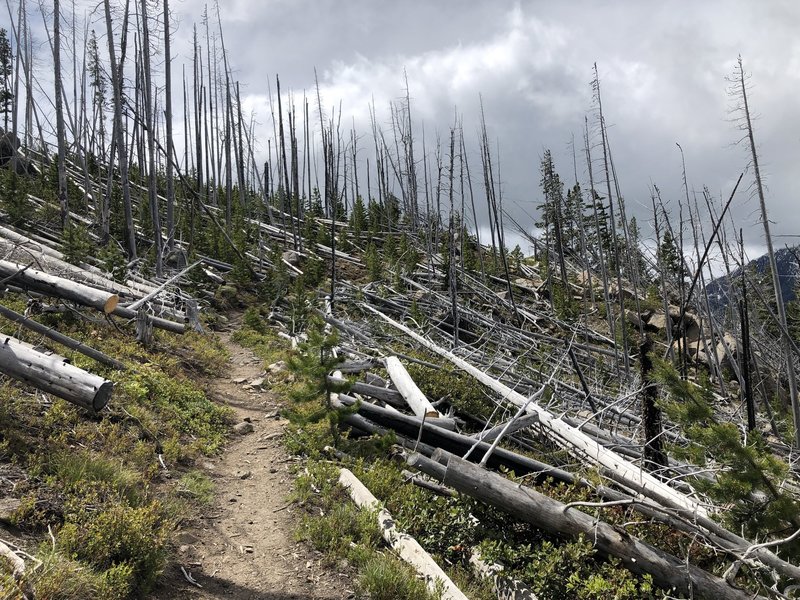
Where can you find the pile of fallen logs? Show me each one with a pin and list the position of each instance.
(36, 268)
(591, 409)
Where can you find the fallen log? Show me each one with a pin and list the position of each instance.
(419, 404)
(388, 395)
(554, 517)
(404, 545)
(62, 339)
(29, 278)
(574, 440)
(458, 443)
(427, 484)
(162, 287)
(52, 374)
(509, 427)
(158, 322)
(393, 398)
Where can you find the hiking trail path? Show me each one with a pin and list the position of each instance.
(243, 545)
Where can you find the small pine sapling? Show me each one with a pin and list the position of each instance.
(748, 481)
(312, 363)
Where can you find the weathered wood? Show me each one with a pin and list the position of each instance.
(17, 564)
(427, 484)
(406, 547)
(62, 339)
(158, 322)
(668, 571)
(52, 374)
(29, 278)
(162, 287)
(458, 443)
(144, 328)
(392, 398)
(419, 404)
(357, 366)
(572, 439)
(514, 426)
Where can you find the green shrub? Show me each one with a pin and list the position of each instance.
(77, 243)
(76, 469)
(196, 485)
(62, 578)
(120, 535)
(386, 578)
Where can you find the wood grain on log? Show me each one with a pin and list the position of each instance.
(419, 404)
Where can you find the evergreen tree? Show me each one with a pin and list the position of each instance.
(358, 217)
(669, 257)
(373, 262)
(749, 479)
(98, 84)
(634, 250)
(6, 72)
(553, 213)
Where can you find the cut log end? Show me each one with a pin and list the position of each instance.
(111, 304)
(102, 396)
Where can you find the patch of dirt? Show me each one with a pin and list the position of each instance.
(243, 547)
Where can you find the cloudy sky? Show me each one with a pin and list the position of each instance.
(662, 68)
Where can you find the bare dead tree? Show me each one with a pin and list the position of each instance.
(739, 89)
(149, 119)
(615, 245)
(168, 121)
(61, 134)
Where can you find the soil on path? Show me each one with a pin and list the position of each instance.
(243, 546)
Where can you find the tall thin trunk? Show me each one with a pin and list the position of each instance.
(119, 132)
(240, 152)
(168, 119)
(601, 251)
(654, 455)
(60, 131)
(615, 245)
(198, 107)
(776, 284)
(452, 263)
(149, 118)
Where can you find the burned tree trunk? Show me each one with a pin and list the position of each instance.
(654, 455)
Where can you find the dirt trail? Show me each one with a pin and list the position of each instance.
(243, 547)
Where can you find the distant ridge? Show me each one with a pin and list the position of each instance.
(788, 272)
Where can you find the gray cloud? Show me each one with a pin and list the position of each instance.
(662, 70)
